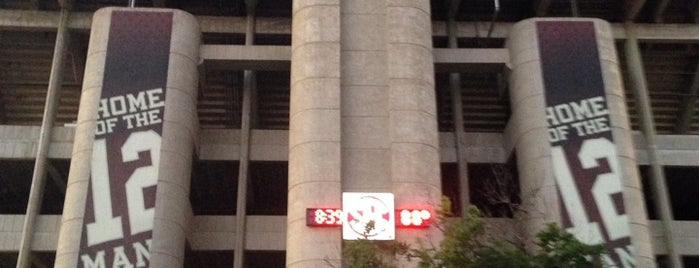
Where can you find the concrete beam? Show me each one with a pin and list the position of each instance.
(234, 57)
(48, 20)
(670, 33)
(459, 59)
(468, 29)
(673, 150)
(15, 19)
(686, 244)
(213, 24)
(42, 20)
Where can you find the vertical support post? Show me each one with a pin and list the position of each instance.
(414, 135)
(248, 87)
(36, 193)
(574, 10)
(458, 118)
(315, 160)
(658, 183)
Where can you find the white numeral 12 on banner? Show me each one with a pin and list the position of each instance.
(604, 186)
(108, 227)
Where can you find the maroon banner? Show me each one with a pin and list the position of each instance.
(118, 224)
(584, 155)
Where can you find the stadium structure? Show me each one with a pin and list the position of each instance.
(261, 133)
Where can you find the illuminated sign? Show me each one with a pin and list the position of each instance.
(419, 218)
(324, 217)
(334, 217)
(368, 209)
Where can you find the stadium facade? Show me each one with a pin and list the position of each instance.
(202, 133)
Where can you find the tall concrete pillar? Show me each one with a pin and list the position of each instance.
(415, 179)
(365, 97)
(363, 115)
(570, 129)
(389, 127)
(127, 199)
(314, 132)
(180, 137)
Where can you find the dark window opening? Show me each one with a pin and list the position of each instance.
(55, 186)
(440, 42)
(15, 181)
(450, 186)
(481, 42)
(662, 261)
(644, 172)
(485, 102)
(268, 185)
(265, 259)
(682, 184)
(214, 187)
(8, 259)
(220, 97)
(493, 188)
(690, 261)
(273, 39)
(272, 100)
(208, 258)
(43, 259)
(223, 38)
(445, 115)
(15, 185)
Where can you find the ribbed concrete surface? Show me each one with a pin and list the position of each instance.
(314, 132)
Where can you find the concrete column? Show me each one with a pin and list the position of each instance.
(639, 87)
(365, 97)
(527, 134)
(314, 132)
(67, 252)
(36, 193)
(179, 133)
(415, 179)
(180, 136)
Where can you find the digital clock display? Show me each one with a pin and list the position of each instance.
(324, 217)
(333, 217)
